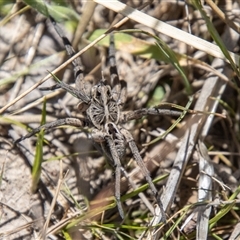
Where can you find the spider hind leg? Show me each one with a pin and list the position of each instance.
(144, 170)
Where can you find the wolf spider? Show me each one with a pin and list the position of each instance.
(101, 106)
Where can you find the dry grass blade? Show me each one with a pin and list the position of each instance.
(205, 191)
(43, 233)
(236, 232)
(9, 119)
(224, 17)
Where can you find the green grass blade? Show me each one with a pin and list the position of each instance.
(1, 174)
(174, 124)
(67, 236)
(169, 232)
(172, 58)
(90, 214)
(220, 214)
(235, 194)
(11, 121)
(142, 188)
(36, 170)
(225, 209)
(58, 12)
(214, 34)
(5, 7)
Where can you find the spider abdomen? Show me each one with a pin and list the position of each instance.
(117, 139)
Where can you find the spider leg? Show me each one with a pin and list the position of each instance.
(118, 167)
(71, 52)
(78, 72)
(119, 89)
(143, 168)
(113, 155)
(61, 122)
(74, 91)
(131, 115)
(54, 87)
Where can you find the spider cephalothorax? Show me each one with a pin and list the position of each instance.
(101, 105)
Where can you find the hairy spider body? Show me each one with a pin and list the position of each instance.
(103, 108)
(101, 105)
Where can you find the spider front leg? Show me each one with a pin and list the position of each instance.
(119, 87)
(81, 92)
(61, 122)
(143, 168)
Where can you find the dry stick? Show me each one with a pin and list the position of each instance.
(7, 233)
(223, 16)
(116, 26)
(60, 180)
(26, 119)
(87, 13)
(38, 101)
(30, 56)
(13, 14)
